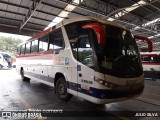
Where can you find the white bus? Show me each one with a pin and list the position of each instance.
(151, 64)
(86, 57)
(5, 58)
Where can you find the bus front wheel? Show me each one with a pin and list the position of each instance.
(23, 77)
(61, 89)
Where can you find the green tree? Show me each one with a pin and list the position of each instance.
(9, 44)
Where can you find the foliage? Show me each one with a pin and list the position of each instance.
(9, 44)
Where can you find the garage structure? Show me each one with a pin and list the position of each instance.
(30, 17)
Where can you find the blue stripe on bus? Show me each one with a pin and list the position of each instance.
(101, 93)
(94, 92)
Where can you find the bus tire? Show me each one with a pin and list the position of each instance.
(1, 67)
(23, 77)
(61, 89)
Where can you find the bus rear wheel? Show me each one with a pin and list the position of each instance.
(23, 77)
(61, 89)
(1, 67)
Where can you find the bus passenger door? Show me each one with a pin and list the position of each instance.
(84, 68)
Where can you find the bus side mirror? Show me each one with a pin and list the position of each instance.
(149, 42)
(99, 30)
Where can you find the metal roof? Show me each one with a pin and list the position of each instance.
(28, 17)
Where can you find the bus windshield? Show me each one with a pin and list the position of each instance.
(119, 55)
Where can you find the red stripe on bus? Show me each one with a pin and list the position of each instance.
(149, 54)
(149, 63)
(35, 54)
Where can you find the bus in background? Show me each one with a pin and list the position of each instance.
(151, 64)
(5, 60)
(84, 56)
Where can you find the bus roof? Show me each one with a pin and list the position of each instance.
(82, 18)
(71, 20)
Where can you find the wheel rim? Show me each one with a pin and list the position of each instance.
(62, 89)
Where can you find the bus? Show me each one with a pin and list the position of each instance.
(87, 57)
(5, 60)
(151, 64)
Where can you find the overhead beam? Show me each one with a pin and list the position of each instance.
(30, 13)
(89, 9)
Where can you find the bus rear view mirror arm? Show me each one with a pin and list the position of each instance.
(149, 42)
(99, 30)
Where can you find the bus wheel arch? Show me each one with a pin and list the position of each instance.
(60, 84)
(22, 75)
(1, 66)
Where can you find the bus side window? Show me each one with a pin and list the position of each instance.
(58, 42)
(34, 46)
(146, 58)
(18, 50)
(85, 52)
(51, 39)
(28, 48)
(142, 58)
(22, 49)
(43, 43)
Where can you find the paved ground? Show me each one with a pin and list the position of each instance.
(18, 95)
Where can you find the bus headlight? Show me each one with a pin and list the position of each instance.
(105, 83)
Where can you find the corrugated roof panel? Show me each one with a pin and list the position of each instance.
(46, 8)
(50, 17)
(3, 6)
(22, 10)
(10, 15)
(26, 3)
(12, 8)
(55, 11)
(71, 15)
(41, 15)
(15, 1)
(56, 3)
(31, 20)
(37, 21)
(19, 17)
(9, 22)
(2, 14)
(35, 13)
(142, 12)
(78, 10)
(125, 3)
(32, 26)
(45, 23)
(40, 6)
